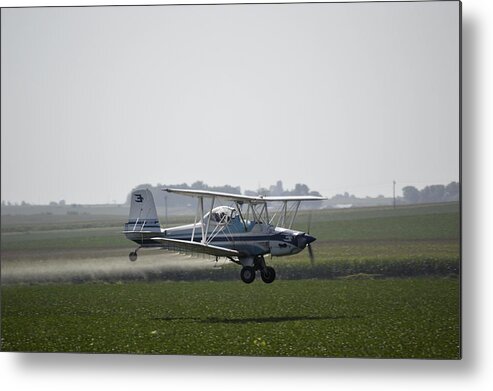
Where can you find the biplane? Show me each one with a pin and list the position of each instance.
(243, 232)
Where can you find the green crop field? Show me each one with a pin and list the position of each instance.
(405, 318)
(385, 283)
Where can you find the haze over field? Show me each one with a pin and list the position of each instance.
(409, 240)
(342, 97)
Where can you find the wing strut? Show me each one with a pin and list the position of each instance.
(294, 214)
(238, 208)
(208, 220)
(285, 207)
(195, 221)
(202, 228)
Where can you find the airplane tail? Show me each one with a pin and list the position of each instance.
(143, 214)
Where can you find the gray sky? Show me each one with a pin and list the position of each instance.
(342, 97)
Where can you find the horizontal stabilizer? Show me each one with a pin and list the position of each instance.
(185, 245)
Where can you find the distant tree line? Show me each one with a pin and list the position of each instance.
(24, 203)
(300, 189)
(433, 193)
(410, 195)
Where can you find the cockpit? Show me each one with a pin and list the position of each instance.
(222, 215)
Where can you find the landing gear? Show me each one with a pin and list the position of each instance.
(267, 273)
(247, 274)
(132, 256)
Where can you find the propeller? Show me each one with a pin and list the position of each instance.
(309, 245)
(310, 254)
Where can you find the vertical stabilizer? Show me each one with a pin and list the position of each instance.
(143, 214)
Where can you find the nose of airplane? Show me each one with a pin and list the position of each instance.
(309, 239)
(304, 240)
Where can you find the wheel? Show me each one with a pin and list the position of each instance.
(247, 274)
(132, 256)
(268, 274)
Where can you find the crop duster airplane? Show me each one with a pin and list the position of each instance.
(243, 232)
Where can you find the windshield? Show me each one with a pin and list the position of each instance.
(222, 214)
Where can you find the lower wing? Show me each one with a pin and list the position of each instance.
(185, 245)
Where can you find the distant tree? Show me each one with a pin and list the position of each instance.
(263, 191)
(411, 194)
(277, 189)
(300, 189)
(315, 193)
(24, 203)
(433, 193)
(53, 203)
(452, 191)
(348, 197)
(62, 203)
(199, 185)
(4, 203)
(341, 198)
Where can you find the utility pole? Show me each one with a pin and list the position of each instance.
(394, 192)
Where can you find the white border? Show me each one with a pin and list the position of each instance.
(474, 372)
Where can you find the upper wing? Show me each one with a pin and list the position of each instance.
(294, 198)
(184, 245)
(239, 197)
(210, 194)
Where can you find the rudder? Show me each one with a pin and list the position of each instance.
(143, 214)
